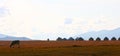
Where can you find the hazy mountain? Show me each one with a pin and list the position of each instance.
(2, 35)
(101, 34)
(6, 37)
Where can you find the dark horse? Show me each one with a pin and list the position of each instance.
(15, 42)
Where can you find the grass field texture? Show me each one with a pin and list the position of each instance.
(61, 48)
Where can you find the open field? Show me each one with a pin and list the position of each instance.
(61, 48)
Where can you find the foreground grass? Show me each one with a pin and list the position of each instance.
(62, 51)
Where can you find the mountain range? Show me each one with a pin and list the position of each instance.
(6, 37)
(102, 34)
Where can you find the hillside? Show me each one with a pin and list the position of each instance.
(101, 34)
(6, 37)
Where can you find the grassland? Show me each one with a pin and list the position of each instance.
(62, 48)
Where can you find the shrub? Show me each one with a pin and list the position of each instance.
(59, 39)
(119, 38)
(64, 39)
(79, 39)
(106, 39)
(98, 39)
(91, 39)
(71, 39)
(113, 39)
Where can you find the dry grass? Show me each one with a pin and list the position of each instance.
(62, 48)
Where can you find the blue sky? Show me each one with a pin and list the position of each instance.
(42, 19)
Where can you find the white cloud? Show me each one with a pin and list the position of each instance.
(26, 16)
(34, 17)
(68, 21)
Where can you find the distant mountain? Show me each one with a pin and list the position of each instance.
(2, 35)
(101, 34)
(6, 37)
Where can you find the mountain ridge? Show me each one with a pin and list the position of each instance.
(101, 34)
(7, 37)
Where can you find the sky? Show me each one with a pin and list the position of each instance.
(42, 19)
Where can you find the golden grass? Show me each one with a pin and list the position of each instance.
(62, 48)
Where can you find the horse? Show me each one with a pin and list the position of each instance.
(15, 42)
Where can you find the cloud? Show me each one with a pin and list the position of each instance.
(3, 12)
(31, 17)
(68, 21)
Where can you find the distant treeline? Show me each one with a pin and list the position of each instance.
(90, 39)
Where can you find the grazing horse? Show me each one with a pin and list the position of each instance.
(15, 42)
